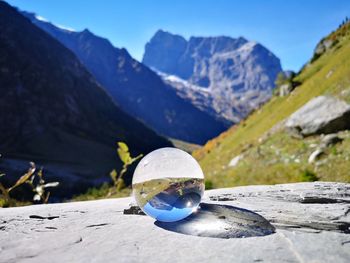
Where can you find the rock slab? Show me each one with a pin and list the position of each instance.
(323, 114)
(311, 222)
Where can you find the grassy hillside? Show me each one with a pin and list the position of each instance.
(269, 154)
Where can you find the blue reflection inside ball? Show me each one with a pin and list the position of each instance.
(172, 207)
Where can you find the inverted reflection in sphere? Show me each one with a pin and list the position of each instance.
(168, 184)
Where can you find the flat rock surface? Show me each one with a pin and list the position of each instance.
(311, 223)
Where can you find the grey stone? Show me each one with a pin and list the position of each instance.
(323, 46)
(323, 114)
(285, 89)
(326, 141)
(133, 210)
(315, 155)
(330, 139)
(235, 160)
(311, 222)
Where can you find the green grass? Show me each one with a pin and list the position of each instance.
(328, 75)
(102, 192)
(308, 176)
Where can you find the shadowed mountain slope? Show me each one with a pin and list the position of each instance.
(53, 112)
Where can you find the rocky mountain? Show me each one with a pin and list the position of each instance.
(53, 112)
(135, 88)
(224, 76)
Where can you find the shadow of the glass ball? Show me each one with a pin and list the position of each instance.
(221, 221)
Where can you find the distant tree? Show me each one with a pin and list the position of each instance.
(281, 79)
(285, 78)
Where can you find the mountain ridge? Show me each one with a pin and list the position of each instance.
(136, 88)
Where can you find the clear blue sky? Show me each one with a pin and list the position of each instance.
(290, 29)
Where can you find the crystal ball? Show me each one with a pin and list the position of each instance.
(168, 184)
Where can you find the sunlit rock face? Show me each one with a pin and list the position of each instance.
(168, 184)
(226, 77)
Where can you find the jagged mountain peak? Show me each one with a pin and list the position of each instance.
(86, 31)
(239, 74)
(164, 33)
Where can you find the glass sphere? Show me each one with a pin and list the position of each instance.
(168, 184)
